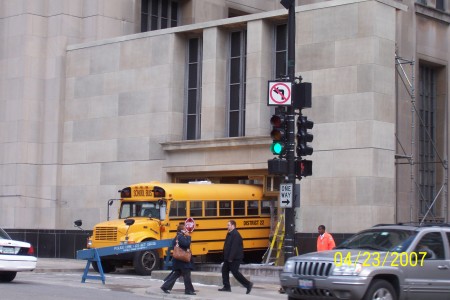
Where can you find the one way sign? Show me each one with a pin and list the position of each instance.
(286, 192)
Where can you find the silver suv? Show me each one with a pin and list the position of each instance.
(392, 262)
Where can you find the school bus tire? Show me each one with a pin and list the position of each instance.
(106, 265)
(146, 261)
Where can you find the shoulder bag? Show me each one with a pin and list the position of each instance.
(180, 254)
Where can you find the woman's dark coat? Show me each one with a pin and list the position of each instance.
(185, 243)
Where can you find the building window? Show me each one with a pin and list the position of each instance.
(193, 90)
(236, 84)
(427, 134)
(159, 14)
(440, 5)
(281, 51)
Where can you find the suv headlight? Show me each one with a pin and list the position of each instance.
(347, 270)
(289, 266)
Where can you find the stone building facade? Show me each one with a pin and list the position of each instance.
(97, 95)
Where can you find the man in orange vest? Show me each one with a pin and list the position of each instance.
(325, 240)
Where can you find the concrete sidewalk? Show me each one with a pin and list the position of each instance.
(59, 265)
(257, 273)
(206, 283)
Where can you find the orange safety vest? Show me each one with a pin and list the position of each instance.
(325, 242)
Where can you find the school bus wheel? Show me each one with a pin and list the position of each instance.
(146, 261)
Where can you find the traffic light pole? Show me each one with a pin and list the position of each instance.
(290, 153)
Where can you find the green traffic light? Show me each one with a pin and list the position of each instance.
(277, 148)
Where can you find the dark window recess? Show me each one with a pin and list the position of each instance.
(159, 14)
(193, 94)
(237, 83)
(280, 51)
(440, 4)
(427, 102)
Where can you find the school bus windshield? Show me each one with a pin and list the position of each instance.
(148, 209)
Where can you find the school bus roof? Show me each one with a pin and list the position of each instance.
(205, 191)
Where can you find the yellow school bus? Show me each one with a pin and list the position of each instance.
(158, 208)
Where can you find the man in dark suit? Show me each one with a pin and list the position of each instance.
(233, 253)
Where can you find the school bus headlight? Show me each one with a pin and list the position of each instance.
(289, 266)
(89, 243)
(127, 241)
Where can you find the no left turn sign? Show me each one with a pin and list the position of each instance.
(279, 93)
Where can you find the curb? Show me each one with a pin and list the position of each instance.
(57, 270)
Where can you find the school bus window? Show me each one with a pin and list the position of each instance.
(211, 208)
(224, 208)
(178, 209)
(130, 209)
(196, 208)
(265, 207)
(239, 208)
(252, 208)
(125, 211)
(150, 210)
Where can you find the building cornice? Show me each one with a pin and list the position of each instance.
(432, 13)
(231, 22)
(234, 142)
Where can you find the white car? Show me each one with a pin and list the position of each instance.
(15, 257)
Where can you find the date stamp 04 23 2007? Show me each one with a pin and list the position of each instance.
(378, 259)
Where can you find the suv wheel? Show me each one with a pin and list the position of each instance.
(380, 289)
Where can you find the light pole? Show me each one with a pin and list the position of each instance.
(290, 151)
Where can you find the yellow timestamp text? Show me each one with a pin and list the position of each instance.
(380, 259)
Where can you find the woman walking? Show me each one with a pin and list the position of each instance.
(180, 268)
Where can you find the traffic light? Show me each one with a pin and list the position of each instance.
(278, 133)
(303, 168)
(277, 166)
(301, 95)
(303, 136)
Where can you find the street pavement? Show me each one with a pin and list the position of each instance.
(265, 287)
